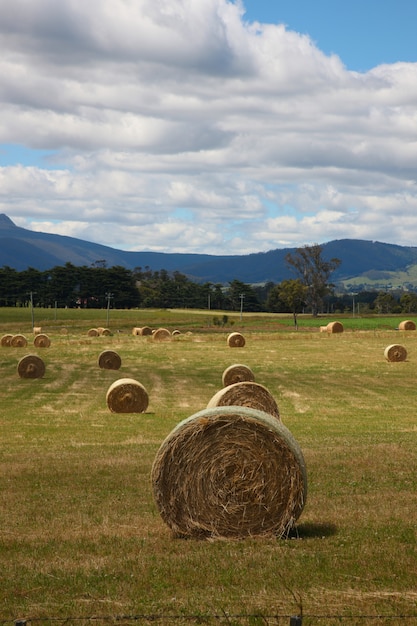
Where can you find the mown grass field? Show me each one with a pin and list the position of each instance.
(80, 535)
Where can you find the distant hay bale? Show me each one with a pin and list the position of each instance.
(93, 332)
(136, 331)
(246, 393)
(323, 329)
(176, 332)
(42, 341)
(64, 331)
(237, 373)
(335, 327)
(37, 330)
(236, 340)
(146, 331)
(407, 325)
(161, 334)
(109, 360)
(18, 341)
(395, 353)
(106, 332)
(127, 395)
(31, 366)
(6, 340)
(230, 472)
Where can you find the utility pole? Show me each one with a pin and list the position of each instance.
(109, 296)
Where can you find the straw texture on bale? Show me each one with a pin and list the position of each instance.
(407, 325)
(395, 353)
(335, 327)
(93, 332)
(42, 341)
(246, 393)
(31, 366)
(161, 334)
(18, 341)
(236, 340)
(229, 472)
(237, 373)
(109, 360)
(6, 340)
(127, 395)
(146, 331)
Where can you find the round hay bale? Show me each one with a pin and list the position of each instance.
(37, 330)
(31, 366)
(237, 373)
(42, 341)
(64, 331)
(407, 325)
(395, 353)
(93, 332)
(106, 332)
(335, 327)
(236, 340)
(176, 332)
(136, 330)
(246, 393)
(127, 395)
(146, 330)
(18, 341)
(162, 334)
(109, 360)
(6, 341)
(229, 472)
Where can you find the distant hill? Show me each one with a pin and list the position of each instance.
(363, 262)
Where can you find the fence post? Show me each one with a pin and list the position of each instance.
(296, 620)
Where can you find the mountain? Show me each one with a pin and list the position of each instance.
(362, 261)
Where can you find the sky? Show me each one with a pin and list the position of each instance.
(210, 126)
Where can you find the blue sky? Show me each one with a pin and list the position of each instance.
(207, 126)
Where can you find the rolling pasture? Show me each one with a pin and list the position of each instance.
(81, 536)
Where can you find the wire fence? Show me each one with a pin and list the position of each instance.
(209, 620)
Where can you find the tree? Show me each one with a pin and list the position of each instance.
(314, 273)
(293, 294)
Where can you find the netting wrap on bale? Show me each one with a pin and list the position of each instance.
(407, 325)
(109, 360)
(246, 393)
(229, 472)
(31, 366)
(395, 353)
(42, 341)
(236, 340)
(237, 373)
(127, 395)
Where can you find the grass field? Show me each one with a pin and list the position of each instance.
(81, 535)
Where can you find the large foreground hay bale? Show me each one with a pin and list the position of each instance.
(237, 373)
(229, 472)
(236, 340)
(246, 393)
(127, 395)
(93, 332)
(395, 353)
(42, 341)
(18, 341)
(335, 327)
(6, 340)
(31, 366)
(407, 325)
(161, 334)
(109, 360)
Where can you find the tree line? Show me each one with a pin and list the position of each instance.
(98, 286)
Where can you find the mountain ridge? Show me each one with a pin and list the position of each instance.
(21, 248)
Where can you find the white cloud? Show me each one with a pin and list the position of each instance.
(182, 127)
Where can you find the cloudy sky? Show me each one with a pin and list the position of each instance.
(210, 126)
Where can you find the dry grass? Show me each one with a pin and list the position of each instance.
(81, 533)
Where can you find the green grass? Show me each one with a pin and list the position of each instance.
(80, 534)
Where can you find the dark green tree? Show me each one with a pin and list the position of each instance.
(314, 272)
